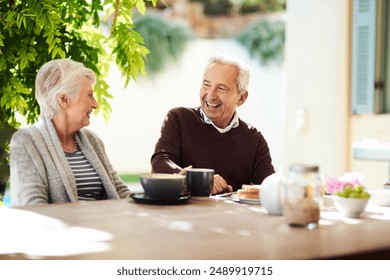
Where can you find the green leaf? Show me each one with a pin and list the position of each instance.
(165, 40)
(141, 7)
(34, 32)
(264, 40)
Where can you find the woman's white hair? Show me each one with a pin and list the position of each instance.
(243, 69)
(59, 76)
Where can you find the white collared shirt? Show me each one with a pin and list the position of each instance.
(234, 123)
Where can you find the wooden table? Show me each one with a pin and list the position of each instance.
(208, 229)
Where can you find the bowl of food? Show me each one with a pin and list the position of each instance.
(350, 207)
(380, 197)
(163, 185)
(351, 201)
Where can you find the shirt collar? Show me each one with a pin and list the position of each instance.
(233, 124)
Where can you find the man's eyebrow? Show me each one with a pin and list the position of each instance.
(219, 85)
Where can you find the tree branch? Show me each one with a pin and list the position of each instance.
(11, 4)
(117, 5)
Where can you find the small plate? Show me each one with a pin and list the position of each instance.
(245, 200)
(143, 198)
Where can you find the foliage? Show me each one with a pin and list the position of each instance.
(270, 5)
(165, 40)
(264, 40)
(130, 178)
(226, 7)
(34, 32)
(262, 6)
(6, 132)
(215, 7)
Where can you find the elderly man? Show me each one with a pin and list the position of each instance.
(212, 135)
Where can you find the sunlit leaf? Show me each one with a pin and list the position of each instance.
(35, 32)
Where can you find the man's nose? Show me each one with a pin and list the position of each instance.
(212, 92)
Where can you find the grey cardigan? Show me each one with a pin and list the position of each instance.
(40, 172)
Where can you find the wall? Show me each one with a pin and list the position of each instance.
(377, 128)
(318, 59)
(316, 68)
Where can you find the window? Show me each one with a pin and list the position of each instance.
(385, 57)
(371, 57)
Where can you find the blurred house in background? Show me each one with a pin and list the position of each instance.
(333, 58)
(139, 110)
(329, 92)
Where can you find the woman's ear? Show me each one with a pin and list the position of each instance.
(243, 97)
(63, 100)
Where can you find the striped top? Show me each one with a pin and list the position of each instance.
(88, 182)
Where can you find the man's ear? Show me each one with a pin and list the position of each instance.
(243, 97)
(63, 100)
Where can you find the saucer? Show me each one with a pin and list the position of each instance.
(245, 200)
(143, 198)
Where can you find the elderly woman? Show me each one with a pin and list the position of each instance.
(56, 160)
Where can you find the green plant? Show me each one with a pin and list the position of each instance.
(264, 40)
(269, 5)
(165, 40)
(226, 7)
(130, 178)
(215, 7)
(6, 132)
(93, 32)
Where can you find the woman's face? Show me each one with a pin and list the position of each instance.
(80, 108)
(219, 95)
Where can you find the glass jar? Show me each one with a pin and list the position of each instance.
(303, 196)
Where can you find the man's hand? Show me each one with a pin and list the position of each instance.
(220, 185)
(184, 170)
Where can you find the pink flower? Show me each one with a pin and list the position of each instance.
(348, 179)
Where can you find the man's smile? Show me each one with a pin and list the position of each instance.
(212, 105)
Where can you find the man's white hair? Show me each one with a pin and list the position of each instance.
(243, 69)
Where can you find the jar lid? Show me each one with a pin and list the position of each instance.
(304, 168)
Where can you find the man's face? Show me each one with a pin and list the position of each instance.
(219, 95)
